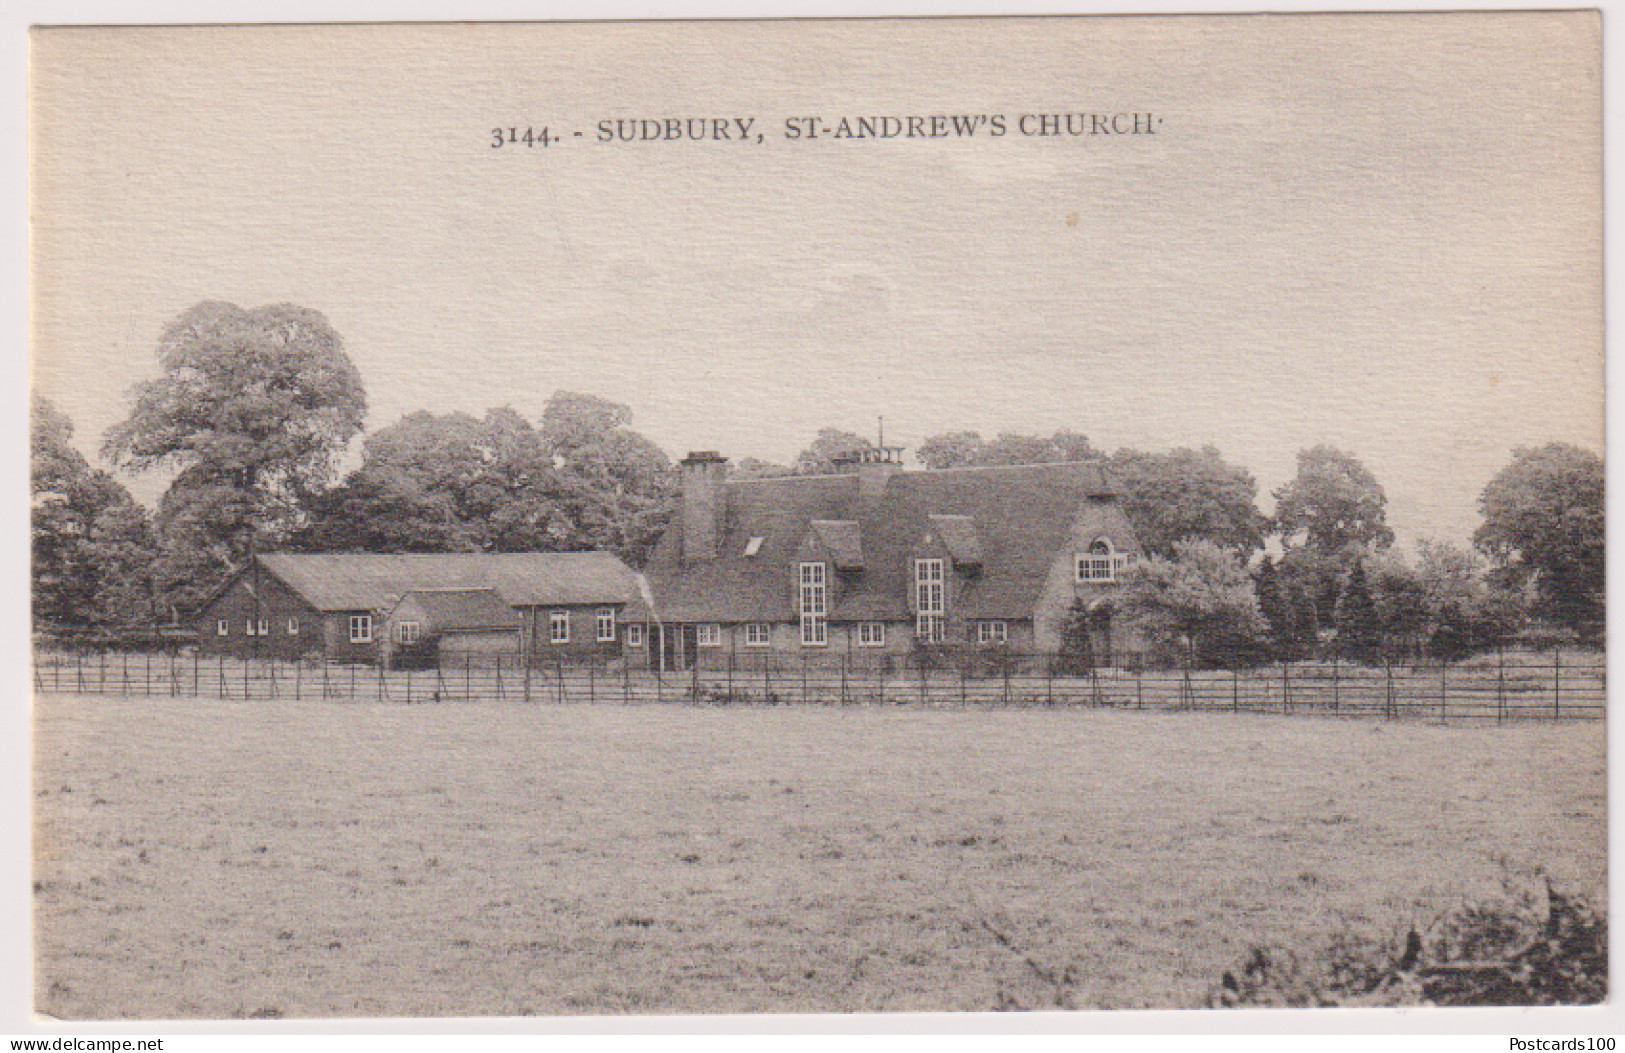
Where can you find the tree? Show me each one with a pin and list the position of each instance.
(1466, 613)
(253, 407)
(91, 546)
(618, 488)
(1333, 504)
(831, 445)
(446, 483)
(1544, 523)
(1200, 603)
(755, 468)
(1359, 632)
(1077, 654)
(967, 449)
(1187, 493)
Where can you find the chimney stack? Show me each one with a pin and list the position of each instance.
(873, 466)
(703, 503)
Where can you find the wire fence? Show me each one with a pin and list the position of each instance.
(1499, 688)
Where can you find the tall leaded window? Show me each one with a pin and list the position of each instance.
(606, 624)
(929, 606)
(361, 628)
(814, 605)
(558, 627)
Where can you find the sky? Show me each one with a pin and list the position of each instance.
(1379, 232)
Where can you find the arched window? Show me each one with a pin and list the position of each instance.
(1100, 563)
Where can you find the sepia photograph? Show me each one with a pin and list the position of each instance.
(816, 516)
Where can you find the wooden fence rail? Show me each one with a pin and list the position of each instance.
(1504, 689)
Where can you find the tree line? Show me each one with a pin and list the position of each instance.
(252, 410)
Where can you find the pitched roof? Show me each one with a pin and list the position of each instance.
(454, 610)
(1020, 519)
(352, 582)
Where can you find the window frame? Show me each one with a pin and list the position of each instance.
(408, 633)
(758, 634)
(293, 626)
(606, 615)
(930, 628)
(871, 634)
(222, 627)
(993, 631)
(708, 634)
(813, 595)
(930, 577)
(558, 628)
(634, 634)
(361, 628)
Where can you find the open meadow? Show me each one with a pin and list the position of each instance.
(198, 858)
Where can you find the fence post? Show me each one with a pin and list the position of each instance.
(694, 679)
(1235, 690)
(468, 678)
(1286, 687)
(846, 663)
(383, 693)
(1444, 691)
(803, 679)
(146, 662)
(1006, 664)
(1094, 686)
(626, 680)
(922, 681)
(767, 681)
(964, 695)
(1390, 708)
(558, 674)
(1139, 688)
(1557, 684)
(124, 665)
(1049, 683)
(1500, 683)
(731, 676)
(1336, 686)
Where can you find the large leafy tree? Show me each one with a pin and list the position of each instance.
(252, 409)
(454, 482)
(1200, 603)
(1331, 514)
(1332, 504)
(1185, 493)
(617, 487)
(92, 545)
(1544, 524)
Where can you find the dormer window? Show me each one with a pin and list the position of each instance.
(1101, 563)
(753, 546)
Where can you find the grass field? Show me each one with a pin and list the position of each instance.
(206, 859)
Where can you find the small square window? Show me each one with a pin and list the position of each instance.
(408, 632)
(634, 636)
(293, 626)
(758, 634)
(221, 629)
(708, 635)
(360, 628)
(871, 634)
(991, 632)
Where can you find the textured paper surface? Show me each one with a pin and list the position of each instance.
(1382, 232)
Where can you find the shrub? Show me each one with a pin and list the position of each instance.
(1533, 948)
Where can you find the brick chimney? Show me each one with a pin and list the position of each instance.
(873, 466)
(703, 503)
